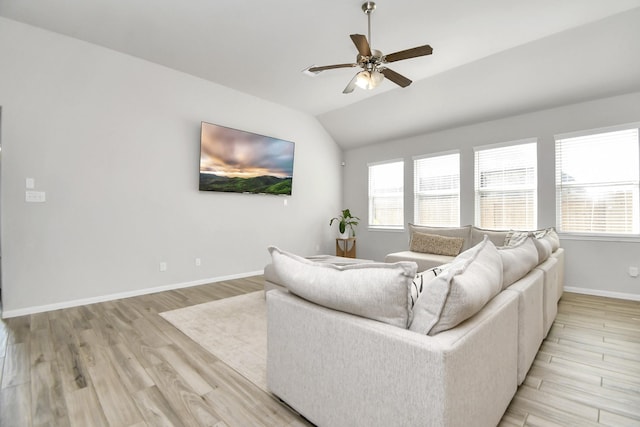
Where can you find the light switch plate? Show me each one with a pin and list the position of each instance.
(30, 183)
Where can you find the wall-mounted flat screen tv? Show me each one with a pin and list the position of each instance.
(236, 161)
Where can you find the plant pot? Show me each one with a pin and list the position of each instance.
(344, 235)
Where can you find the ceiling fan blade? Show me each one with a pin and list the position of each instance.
(409, 53)
(330, 67)
(361, 44)
(398, 79)
(351, 86)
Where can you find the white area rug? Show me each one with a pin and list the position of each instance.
(232, 329)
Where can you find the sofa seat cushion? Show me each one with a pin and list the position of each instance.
(435, 244)
(377, 291)
(517, 261)
(424, 261)
(472, 280)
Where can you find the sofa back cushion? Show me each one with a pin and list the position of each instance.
(517, 261)
(497, 237)
(377, 291)
(459, 232)
(435, 244)
(473, 279)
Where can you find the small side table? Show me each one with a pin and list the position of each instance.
(346, 247)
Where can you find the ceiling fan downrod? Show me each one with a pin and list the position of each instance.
(368, 7)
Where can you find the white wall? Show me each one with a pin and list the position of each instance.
(598, 267)
(114, 143)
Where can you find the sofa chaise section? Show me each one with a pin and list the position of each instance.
(320, 361)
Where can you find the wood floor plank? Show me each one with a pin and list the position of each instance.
(131, 372)
(190, 407)
(47, 400)
(15, 406)
(84, 409)
(155, 409)
(118, 408)
(16, 365)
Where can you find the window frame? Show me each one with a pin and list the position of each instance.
(476, 178)
(417, 194)
(385, 227)
(575, 235)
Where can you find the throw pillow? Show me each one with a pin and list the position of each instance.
(434, 244)
(464, 232)
(472, 280)
(421, 281)
(517, 261)
(377, 291)
(550, 236)
(513, 237)
(544, 249)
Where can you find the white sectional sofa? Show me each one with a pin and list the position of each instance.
(360, 345)
(552, 266)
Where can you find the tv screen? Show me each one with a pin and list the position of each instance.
(236, 161)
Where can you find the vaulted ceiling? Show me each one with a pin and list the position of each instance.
(491, 58)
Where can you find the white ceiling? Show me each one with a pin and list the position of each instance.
(491, 58)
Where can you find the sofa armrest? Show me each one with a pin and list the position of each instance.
(337, 369)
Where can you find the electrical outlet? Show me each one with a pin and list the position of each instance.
(198, 262)
(163, 266)
(633, 271)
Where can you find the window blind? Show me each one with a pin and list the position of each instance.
(506, 186)
(597, 183)
(386, 195)
(436, 189)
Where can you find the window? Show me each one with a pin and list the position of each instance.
(436, 190)
(506, 185)
(597, 181)
(386, 195)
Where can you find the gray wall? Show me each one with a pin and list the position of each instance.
(596, 266)
(114, 143)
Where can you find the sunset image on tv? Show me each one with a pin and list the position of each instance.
(243, 162)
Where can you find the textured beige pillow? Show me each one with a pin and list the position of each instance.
(434, 244)
(378, 291)
(472, 280)
(464, 232)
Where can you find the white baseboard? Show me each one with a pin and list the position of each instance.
(599, 293)
(86, 301)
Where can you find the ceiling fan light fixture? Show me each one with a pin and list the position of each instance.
(369, 79)
(363, 80)
(376, 78)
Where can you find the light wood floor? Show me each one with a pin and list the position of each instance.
(120, 364)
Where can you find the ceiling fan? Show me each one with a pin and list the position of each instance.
(373, 62)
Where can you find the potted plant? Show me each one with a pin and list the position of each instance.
(346, 222)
